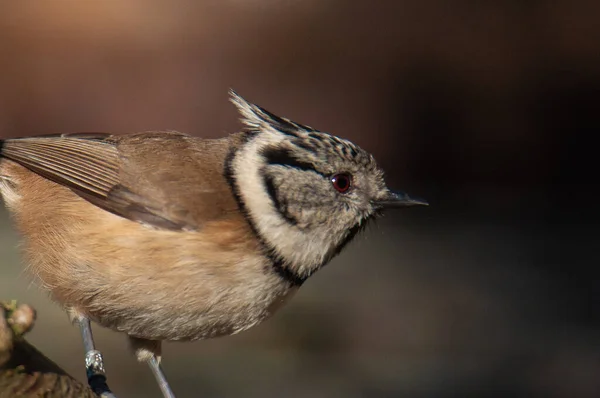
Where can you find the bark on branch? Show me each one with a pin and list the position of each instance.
(25, 371)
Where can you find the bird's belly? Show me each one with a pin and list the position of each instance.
(232, 314)
(171, 293)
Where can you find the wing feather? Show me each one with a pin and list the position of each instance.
(90, 166)
(135, 176)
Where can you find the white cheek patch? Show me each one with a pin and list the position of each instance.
(303, 250)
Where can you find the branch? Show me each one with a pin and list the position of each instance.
(25, 371)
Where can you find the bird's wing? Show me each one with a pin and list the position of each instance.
(160, 179)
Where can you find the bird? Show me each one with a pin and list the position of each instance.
(165, 236)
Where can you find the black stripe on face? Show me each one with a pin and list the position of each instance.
(284, 157)
(279, 205)
(352, 233)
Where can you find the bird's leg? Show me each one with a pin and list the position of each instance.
(94, 365)
(150, 351)
(154, 364)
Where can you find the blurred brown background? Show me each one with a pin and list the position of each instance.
(486, 108)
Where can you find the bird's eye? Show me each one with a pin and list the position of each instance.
(341, 182)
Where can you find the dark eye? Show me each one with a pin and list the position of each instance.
(341, 182)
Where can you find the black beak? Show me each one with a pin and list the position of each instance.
(400, 199)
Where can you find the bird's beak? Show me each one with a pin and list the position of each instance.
(400, 199)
